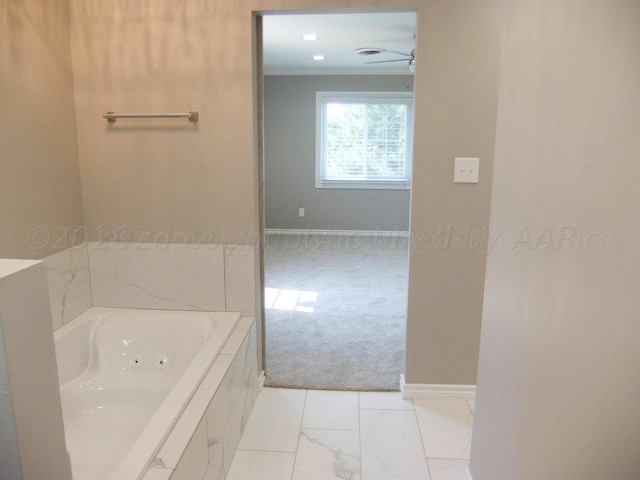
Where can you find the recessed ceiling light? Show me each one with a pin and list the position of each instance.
(318, 58)
(310, 37)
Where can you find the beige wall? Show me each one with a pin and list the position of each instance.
(558, 383)
(456, 97)
(40, 202)
(170, 177)
(175, 180)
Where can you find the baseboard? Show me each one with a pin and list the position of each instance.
(417, 391)
(261, 379)
(467, 475)
(336, 233)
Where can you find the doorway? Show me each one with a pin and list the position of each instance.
(336, 255)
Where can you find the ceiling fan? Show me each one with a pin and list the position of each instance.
(408, 57)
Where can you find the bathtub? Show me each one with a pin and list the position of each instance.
(125, 377)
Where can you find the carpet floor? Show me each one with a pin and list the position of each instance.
(335, 311)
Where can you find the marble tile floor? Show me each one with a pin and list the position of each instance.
(326, 435)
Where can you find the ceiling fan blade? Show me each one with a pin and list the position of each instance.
(388, 61)
(398, 53)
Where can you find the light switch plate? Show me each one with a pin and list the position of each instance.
(466, 170)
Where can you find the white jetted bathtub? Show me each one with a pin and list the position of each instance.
(125, 377)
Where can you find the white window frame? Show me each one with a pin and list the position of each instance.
(323, 98)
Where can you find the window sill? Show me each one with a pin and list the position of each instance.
(364, 185)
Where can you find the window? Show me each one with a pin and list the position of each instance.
(363, 140)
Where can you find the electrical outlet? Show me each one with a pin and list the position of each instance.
(465, 170)
(301, 212)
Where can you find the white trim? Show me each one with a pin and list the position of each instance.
(364, 184)
(417, 391)
(336, 233)
(261, 380)
(467, 475)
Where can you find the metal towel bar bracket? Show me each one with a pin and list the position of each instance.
(112, 117)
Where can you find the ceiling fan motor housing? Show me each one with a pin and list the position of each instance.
(366, 51)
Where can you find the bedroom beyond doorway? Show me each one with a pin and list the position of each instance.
(335, 311)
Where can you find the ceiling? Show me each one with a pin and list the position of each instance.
(286, 53)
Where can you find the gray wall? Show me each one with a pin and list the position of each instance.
(39, 173)
(558, 382)
(290, 152)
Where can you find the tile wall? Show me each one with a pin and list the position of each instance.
(69, 284)
(155, 276)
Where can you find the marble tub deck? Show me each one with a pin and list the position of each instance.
(325, 435)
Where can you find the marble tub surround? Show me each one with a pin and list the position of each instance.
(203, 442)
(240, 279)
(32, 444)
(157, 276)
(173, 276)
(327, 435)
(69, 284)
(154, 276)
